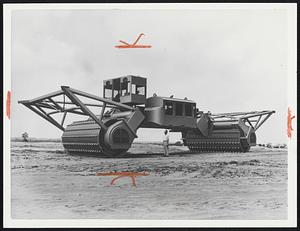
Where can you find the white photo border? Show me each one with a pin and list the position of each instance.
(8, 222)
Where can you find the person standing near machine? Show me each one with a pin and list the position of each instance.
(166, 143)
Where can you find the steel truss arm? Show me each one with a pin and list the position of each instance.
(254, 118)
(76, 106)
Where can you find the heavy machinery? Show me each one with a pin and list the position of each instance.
(125, 108)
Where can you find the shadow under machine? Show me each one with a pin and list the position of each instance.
(124, 108)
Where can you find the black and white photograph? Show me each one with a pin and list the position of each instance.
(150, 113)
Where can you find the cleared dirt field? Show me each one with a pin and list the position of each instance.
(48, 183)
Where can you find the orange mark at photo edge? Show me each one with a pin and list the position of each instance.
(289, 123)
(8, 100)
(127, 45)
(119, 175)
(136, 46)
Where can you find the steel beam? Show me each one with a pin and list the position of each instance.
(58, 106)
(257, 122)
(259, 113)
(63, 119)
(48, 118)
(87, 104)
(249, 123)
(102, 111)
(121, 105)
(83, 107)
(53, 94)
(45, 105)
(258, 125)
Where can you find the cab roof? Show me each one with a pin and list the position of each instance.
(176, 100)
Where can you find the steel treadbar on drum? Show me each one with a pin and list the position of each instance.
(125, 108)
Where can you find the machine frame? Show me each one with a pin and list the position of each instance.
(131, 110)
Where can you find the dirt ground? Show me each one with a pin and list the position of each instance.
(48, 183)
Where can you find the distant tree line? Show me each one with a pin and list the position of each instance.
(270, 145)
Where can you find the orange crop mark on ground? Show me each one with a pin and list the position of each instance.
(8, 99)
(289, 123)
(127, 45)
(123, 174)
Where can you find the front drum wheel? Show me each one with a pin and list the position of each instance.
(108, 152)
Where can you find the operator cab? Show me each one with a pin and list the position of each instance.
(170, 113)
(129, 89)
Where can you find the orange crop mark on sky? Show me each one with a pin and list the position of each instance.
(127, 45)
(8, 99)
(289, 123)
(123, 174)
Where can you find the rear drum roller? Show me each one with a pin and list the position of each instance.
(219, 141)
(244, 147)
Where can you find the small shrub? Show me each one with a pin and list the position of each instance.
(283, 146)
(25, 137)
(269, 145)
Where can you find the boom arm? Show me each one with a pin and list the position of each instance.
(254, 119)
(47, 105)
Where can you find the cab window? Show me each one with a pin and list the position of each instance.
(107, 93)
(125, 87)
(133, 89)
(108, 90)
(140, 90)
(188, 109)
(179, 109)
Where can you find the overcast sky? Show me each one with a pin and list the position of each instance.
(225, 60)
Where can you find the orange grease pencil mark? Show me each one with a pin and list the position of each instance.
(8, 100)
(289, 123)
(127, 45)
(119, 175)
